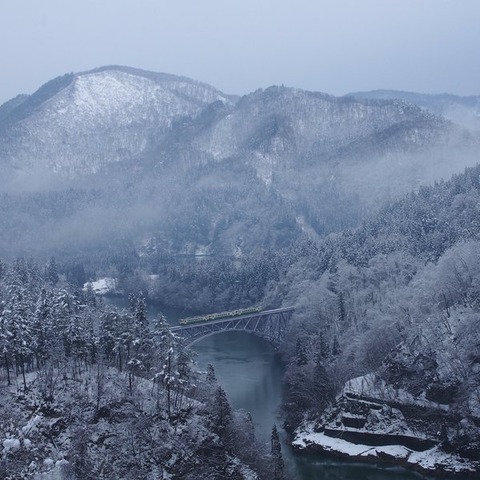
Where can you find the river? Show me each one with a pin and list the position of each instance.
(250, 371)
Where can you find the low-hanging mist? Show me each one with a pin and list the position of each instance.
(119, 156)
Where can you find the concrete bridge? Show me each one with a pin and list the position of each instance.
(270, 325)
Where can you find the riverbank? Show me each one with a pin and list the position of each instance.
(373, 421)
(431, 462)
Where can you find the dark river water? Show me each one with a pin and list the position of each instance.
(250, 371)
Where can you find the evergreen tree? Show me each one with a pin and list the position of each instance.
(211, 377)
(3, 269)
(277, 458)
(301, 357)
(141, 347)
(323, 346)
(174, 373)
(342, 315)
(336, 346)
(142, 344)
(51, 272)
(5, 341)
(221, 414)
(323, 390)
(89, 296)
(43, 328)
(111, 338)
(21, 332)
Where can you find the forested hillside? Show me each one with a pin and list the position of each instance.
(394, 302)
(93, 392)
(396, 298)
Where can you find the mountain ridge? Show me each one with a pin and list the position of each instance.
(464, 110)
(158, 147)
(115, 97)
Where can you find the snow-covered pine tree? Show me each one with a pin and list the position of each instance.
(278, 465)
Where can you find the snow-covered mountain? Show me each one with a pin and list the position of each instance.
(98, 117)
(283, 129)
(79, 123)
(181, 167)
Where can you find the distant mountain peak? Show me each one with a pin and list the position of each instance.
(97, 117)
(155, 76)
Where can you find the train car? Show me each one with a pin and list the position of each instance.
(219, 315)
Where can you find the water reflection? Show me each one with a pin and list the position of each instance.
(316, 468)
(249, 370)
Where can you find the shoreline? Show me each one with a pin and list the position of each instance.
(431, 463)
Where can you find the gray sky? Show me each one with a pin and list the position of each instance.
(333, 46)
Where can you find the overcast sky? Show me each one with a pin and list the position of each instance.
(333, 46)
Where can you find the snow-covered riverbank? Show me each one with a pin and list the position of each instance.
(433, 461)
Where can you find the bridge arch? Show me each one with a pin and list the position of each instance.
(270, 325)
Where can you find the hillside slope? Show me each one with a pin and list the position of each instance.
(78, 123)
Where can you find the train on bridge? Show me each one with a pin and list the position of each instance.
(220, 315)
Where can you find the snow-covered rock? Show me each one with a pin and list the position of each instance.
(11, 444)
(32, 423)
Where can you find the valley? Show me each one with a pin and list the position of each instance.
(361, 212)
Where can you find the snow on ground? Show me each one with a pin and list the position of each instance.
(435, 458)
(344, 448)
(56, 470)
(32, 423)
(11, 444)
(102, 286)
(431, 460)
(201, 250)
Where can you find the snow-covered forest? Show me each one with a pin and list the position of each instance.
(117, 397)
(397, 296)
